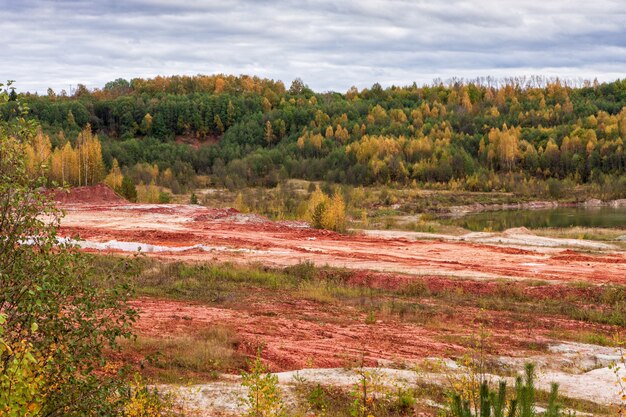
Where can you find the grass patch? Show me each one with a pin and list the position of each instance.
(325, 291)
(579, 405)
(582, 336)
(213, 283)
(188, 358)
(224, 283)
(585, 233)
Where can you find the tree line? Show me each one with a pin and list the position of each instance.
(251, 131)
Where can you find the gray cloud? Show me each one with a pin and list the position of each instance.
(330, 44)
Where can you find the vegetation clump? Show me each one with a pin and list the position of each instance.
(263, 397)
(325, 212)
(495, 403)
(57, 324)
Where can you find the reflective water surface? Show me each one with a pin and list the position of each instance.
(609, 217)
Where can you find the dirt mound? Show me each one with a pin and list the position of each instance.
(215, 214)
(100, 193)
(231, 215)
(517, 231)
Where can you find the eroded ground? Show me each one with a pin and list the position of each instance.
(478, 283)
(199, 233)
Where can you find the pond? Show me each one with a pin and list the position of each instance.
(608, 217)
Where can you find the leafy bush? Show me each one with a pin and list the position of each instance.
(146, 401)
(264, 394)
(327, 213)
(58, 322)
(128, 189)
(494, 403)
(21, 380)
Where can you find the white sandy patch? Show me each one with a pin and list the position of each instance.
(581, 370)
(149, 248)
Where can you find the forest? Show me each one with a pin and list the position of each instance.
(479, 135)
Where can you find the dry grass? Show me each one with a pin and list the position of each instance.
(584, 233)
(327, 291)
(187, 358)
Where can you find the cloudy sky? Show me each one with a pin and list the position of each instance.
(331, 45)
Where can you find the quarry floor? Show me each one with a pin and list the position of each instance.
(320, 339)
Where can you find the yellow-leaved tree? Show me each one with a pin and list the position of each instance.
(79, 165)
(21, 379)
(91, 167)
(115, 176)
(148, 193)
(38, 153)
(326, 213)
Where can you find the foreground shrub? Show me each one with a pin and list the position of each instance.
(264, 395)
(21, 381)
(145, 401)
(58, 321)
(494, 403)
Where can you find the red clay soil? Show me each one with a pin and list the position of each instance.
(100, 193)
(294, 334)
(436, 285)
(297, 333)
(231, 236)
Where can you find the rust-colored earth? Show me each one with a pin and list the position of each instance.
(231, 236)
(100, 193)
(297, 333)
(301, 333)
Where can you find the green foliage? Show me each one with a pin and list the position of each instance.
(164, 198)
(554, 188)
(492, 403)
(318, 399)
(128, 189)
(264, 395)
(147, 401)
(525, 392)
(495, 404)
(464, 135)
(21, 379)
(193, 199)
(317, 216)
(54, 317)
(377, 395)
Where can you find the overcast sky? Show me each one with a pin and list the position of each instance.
(331, 45)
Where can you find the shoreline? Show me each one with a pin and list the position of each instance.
(459, 211)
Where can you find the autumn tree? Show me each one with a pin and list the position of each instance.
(115, 177)
(146, 124)
(91, 167)
(326, 213)
(269, 133)
(219, 126)
(329, 134)
(504, 146)
(342, 134)
(38, 153)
